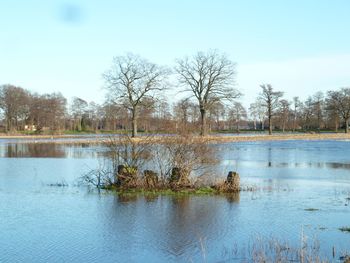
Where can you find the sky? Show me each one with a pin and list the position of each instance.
(298, 46)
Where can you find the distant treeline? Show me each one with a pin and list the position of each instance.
(136, 92)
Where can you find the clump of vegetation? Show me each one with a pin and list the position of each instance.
(345, 259)
(345, 229)
(231, 185)
(311, 209)
(63, 183)
(262, 250)
(174, 163)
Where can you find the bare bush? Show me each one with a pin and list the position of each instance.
(101, 177)
(154, 163)
(179, 157)
(128, 156)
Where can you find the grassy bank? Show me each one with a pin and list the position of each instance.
(214, 138)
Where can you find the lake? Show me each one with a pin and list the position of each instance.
(302, 187)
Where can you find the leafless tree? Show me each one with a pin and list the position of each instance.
(14, 101)
(210, 78)
(296, 106)
(185, 114)
(148, 109)
(258, 111)
(306, 109)
(47, 110)
(283, 112)
(333, 115)
(237, 113)
(115, 116)
(340, 100)
(318, 108)
(163, 117)
(94, 115)
(131, 79)
(270, 100)
(216, 116)
(79, 110)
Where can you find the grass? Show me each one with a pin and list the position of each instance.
(58, 184)
(311, 209)
(213, 139)
(189, 191)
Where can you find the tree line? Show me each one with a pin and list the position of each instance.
(137, 100)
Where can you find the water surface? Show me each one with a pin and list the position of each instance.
(43, 223)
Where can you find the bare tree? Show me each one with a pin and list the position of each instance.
(132, 79)
(318, 108)
(94, 113)
(216, 116)
(340, 100)
(47, 111)
(296, 106)
(14, 101)
(181, 111)
(306, 113)
(270, 100)
(116, 116)
(333, 114)
(210, 78)
(257, 110)
(79, 110)
(283, 112)
(237, 113)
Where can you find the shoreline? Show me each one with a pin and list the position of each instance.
(214, 138)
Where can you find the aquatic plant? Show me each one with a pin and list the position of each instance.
(311, 209)
(63, 183)
(345, 229)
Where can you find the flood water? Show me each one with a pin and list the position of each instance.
(302, 187)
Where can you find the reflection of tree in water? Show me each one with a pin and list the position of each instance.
(189, 220)
(170, 225)
(151, 197)
(35, 150)
(269, 157)
(124, 198)
(233, 197)
(48, 150)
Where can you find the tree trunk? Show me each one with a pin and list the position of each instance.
(347, 125)
(9, 126)
(294, 123)
(270, 125)
(336, 124)
(270, 117)
(134, 122)
(203, 122)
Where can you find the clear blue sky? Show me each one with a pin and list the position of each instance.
(298, 46)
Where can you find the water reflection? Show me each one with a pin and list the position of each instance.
(126, 198)
(319, 165)
(150, 197)
(174, 225)
(158, 228)
(269, 157)
(47, 150)
(33, 150)
(233, 197)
